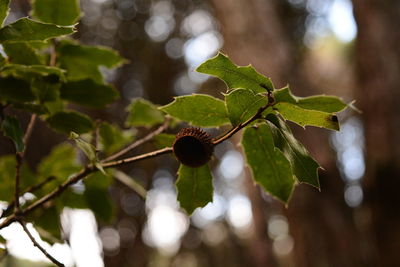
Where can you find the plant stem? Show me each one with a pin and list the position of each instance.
(139, 142)
(36, 244)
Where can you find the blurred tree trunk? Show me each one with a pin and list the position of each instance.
(378, 62)
(321, 223)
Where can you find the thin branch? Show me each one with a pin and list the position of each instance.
(77, 177)
(29, 129)
(30, 189)
(36, 244)
(139, 142)
(18, 157)
(238, 127)
(88, 169)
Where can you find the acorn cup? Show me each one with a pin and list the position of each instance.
(193, 147)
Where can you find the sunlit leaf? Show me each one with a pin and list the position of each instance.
(194, 185)
(4, 9)
(199, 110)
(305, 117)
(234, 76)
(60, 12)
(323, 103)
(29, 30)
(243, 104)
(270, 168)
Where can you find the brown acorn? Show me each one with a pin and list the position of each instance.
(193, 147)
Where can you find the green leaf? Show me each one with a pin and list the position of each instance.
(86, 147)
(323, 103)
(112, 138)
(82, 61)
(60, 12)
(88, 93)
(236, 77)
(29, 30)
(70, 121)
(60, 163)
(194, 185)
(97, 196)
(7, 177)
(17, 90)
(199, 110)
(305, 168)
(22, 53)
(11, 128)
(53, 74)
(143, 113)
(243, 104)
(4, 9)
(164, 140)
(269, 166)
(305, 117)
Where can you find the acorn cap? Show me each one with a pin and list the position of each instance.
(193, 147)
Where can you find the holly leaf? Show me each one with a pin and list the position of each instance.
(269, 166)
(26, 29)
(60, 12)
(88, 93)
(12, 129)
(234, 76)
(82, 61)
(22, 53)
(143, 113)
(243, 104)
(325, 103)
(194, 187)
(198, 110)
(4, 9)
(305, 117)
(304, 166)
(54, 74)
(70, 121)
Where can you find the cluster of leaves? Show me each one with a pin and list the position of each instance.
(276, 158)
(43, 72)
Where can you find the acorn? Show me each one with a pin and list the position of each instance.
(193, 147)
